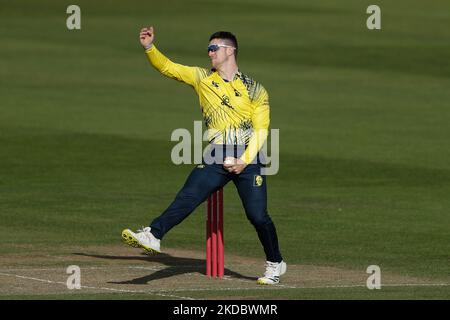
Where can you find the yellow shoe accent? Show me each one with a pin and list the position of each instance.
(261, 282)
(129, 239)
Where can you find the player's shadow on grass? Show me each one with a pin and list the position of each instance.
(175, 266)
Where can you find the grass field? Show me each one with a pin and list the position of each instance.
(364, 121)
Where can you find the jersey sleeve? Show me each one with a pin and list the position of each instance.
(186, 74)
(260, 121)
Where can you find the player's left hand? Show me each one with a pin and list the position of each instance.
(234, 165)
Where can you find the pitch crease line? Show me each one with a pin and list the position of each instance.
(97, 288)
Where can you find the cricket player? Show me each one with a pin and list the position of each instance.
(236, 112)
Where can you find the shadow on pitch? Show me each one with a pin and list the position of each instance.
(175, 266)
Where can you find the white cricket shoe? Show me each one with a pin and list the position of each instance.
(142, 239)
(273, 272)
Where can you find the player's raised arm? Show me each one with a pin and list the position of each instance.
(186, 74)
(146, 37)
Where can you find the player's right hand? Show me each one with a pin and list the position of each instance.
(146, 36)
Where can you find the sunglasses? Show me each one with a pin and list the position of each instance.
(215, 47)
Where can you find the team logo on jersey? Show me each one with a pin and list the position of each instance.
(215, 84)
(226, 101)
(237, 93)
(258, 181)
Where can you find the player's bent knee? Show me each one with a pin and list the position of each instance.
(259, 220)
(190, 196)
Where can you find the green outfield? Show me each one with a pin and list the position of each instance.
(364, 121)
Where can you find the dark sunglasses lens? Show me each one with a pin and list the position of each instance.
(213, 48)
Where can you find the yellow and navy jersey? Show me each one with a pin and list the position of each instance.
(235, 112)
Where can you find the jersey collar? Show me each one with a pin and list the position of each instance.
(238, 74)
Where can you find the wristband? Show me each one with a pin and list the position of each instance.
(148, 47)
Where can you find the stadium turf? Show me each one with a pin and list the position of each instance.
(364, 178)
